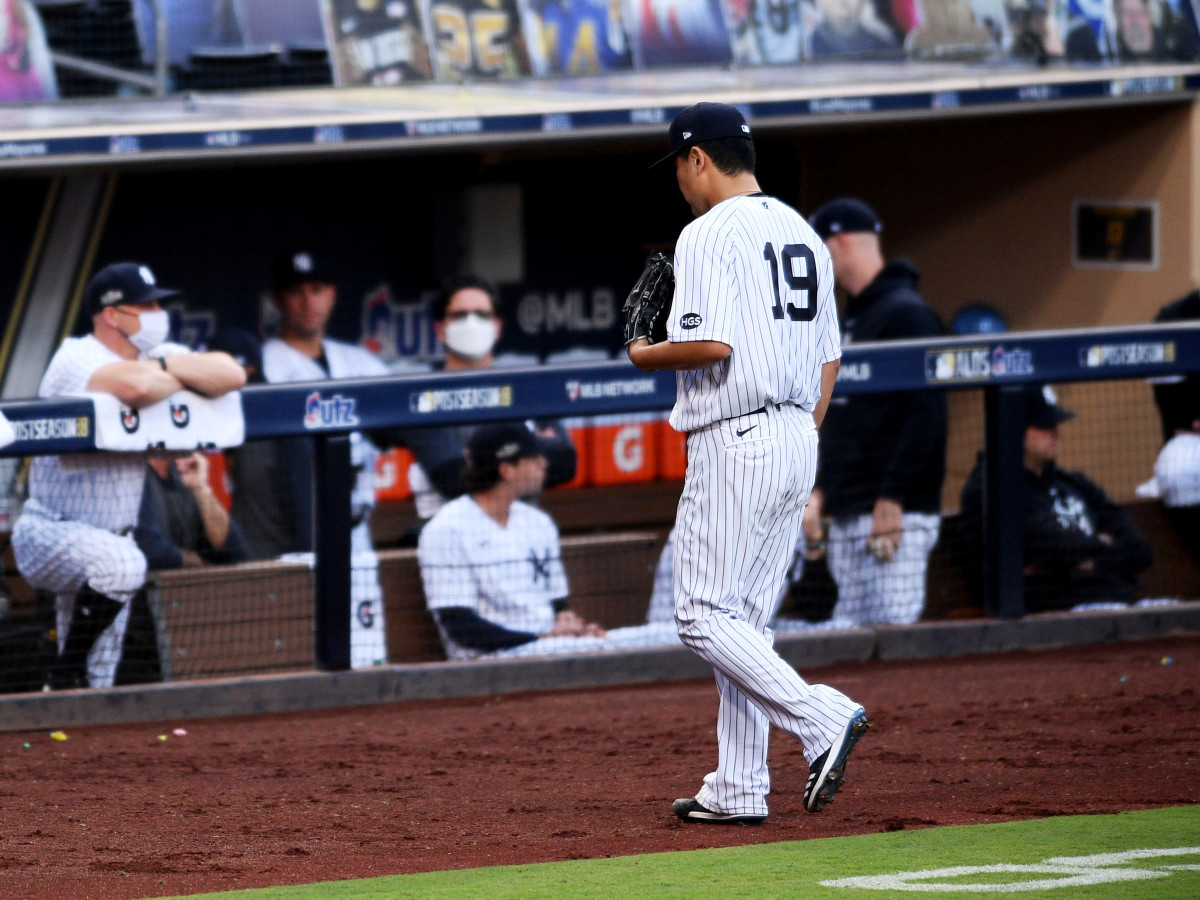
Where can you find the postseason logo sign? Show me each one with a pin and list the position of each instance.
(499, 397)
(1144, 353)
(981, 363)
(51, 429)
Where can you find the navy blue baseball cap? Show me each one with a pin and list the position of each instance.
(844, 216)
(297, 267)
(508, 442)
(1042, 409)
(123, 283)
(704, 122)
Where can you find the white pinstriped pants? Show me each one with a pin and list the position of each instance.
(61, 555)
(735, 533)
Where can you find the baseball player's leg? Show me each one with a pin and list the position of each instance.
(116, 571)
(77, 561)
(875, 592)
(741, 781)
(662, 598)
(898, 590)
(732, 495)
(368, 633)
(852, 569)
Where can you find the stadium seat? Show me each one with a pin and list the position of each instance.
(232, 68)
(102, 31)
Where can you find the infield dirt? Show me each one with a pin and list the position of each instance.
(120, 812)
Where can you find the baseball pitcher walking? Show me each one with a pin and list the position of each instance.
(753, 335)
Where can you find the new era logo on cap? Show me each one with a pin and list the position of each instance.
(704, 122)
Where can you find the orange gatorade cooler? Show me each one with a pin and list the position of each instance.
(391, 474)
(624, 448)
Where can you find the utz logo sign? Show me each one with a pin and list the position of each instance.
(329, 412)
(180, 415)
(130, 420)
(1011, 362)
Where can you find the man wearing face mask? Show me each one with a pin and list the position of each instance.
(467, 321)
(75, 534)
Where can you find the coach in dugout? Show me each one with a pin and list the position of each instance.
(883, 455)
(1081, 548)
(75, 534)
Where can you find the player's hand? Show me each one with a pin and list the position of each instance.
(568, 624)
(193, 471)
(813, 527)
(886, 529)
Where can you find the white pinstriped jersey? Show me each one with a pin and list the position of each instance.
(752, 274)
(101, 489)
(510, 575)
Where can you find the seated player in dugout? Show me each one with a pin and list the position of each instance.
(492, 565)
(468, 322)
(1081, 548)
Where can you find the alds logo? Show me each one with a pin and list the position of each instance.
(180, 415)
(688, 321)
(130, 420)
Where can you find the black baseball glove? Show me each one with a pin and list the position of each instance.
(647, 305)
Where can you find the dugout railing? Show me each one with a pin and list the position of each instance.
(990, 368)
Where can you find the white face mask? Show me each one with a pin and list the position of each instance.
(472, 336)
(153, 331)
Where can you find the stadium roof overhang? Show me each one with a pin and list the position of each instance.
(317, 122)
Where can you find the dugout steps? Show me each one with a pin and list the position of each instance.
(265, 694)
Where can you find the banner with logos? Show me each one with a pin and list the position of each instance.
(183, 421)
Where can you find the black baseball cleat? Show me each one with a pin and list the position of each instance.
(828, 772)
(690, 810)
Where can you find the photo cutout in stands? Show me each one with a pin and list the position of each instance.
(26, 70)
(957, 29)
(768, 32)
(377, 43)
(576, 37)
(477, 40)
(860, 30)
(678, 33)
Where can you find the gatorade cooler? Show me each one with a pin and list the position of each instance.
(391, 474)
(624, 448)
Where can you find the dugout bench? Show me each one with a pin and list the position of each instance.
(254, 618)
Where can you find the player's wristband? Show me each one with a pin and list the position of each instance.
(162, 361)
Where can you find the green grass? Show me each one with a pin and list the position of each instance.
(797, 869)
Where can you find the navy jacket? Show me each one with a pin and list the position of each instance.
(885, 445)
(1066, 562)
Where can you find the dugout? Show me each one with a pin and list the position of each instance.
(980, 174)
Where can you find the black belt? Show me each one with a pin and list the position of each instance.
(761, 409)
